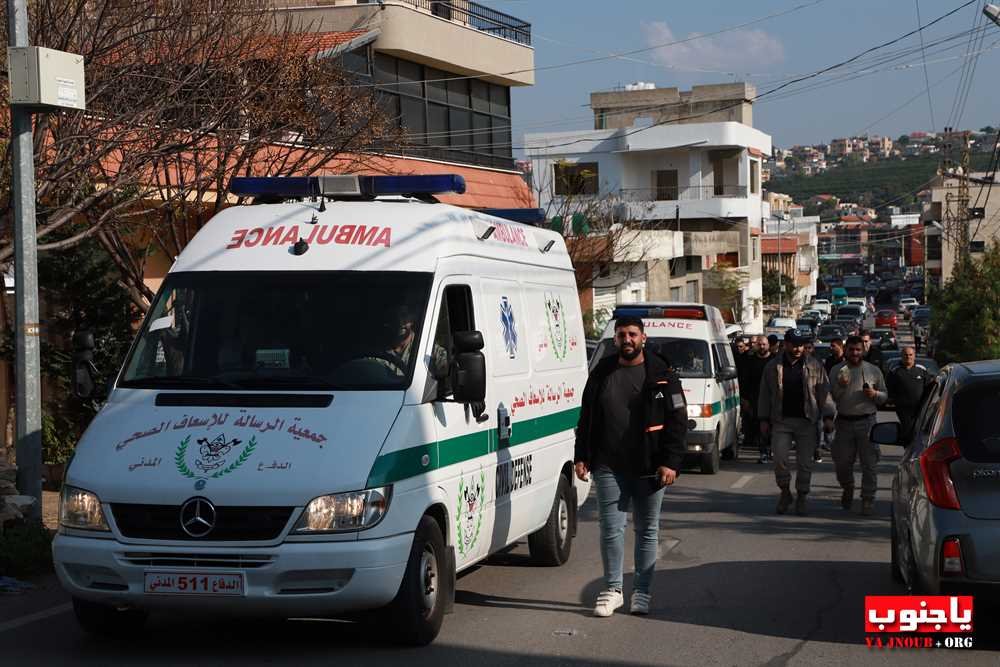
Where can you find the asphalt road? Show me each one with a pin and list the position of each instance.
(736, 584)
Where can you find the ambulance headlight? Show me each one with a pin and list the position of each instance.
(81, 510)
(355, 510)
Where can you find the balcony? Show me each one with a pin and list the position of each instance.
(706, 201)
(477, 16)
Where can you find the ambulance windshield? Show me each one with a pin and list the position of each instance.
(689, 357)
(281, 331)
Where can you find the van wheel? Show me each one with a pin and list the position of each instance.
(552, 543)
(418, 610)
(104, 620)
(711, 461)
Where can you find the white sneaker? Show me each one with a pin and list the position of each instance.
(640, 604)
(607, 602)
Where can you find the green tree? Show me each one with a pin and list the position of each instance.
(771, 285)
(965, 319)
(903, 140)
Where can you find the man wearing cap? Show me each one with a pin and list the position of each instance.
(794, 395)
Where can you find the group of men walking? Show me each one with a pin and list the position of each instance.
(633, 424)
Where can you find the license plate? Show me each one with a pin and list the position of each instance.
(194, 583)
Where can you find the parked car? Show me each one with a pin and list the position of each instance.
(888, 356)
(783, 323)
(886, 318)
(849, 323)
(809, 323)
(886, 338)
(853, 309)
(945, 510)
(906, 304)
(829, 332)
(822, 351)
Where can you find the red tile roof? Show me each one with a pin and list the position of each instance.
(769, 245)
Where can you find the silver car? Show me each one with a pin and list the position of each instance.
(946, 490)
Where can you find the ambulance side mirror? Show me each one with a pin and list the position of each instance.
(84, 370)
(728, 373)
(468, 371)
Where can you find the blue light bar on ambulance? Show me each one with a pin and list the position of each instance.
(346, 186)
(656, 312)
(527, 216)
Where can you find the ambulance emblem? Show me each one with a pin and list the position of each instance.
(469, 517)
(509, 327)
(555, 317)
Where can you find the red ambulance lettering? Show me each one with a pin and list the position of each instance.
(511, 235)
(292, 236)
(364, 235)
(312, 233)
(252, 240)
(237, 239)
(384, 238)
(326, 234)
(272, 236)
(345, 235)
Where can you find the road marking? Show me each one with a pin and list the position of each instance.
(31, 618)
(742, 481)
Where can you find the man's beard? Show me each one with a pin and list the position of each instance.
(630, 355)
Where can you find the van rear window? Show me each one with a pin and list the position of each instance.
(978, 436)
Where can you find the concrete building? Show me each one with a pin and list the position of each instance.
(416, 51)
(702, 179)
(941, 240)
(803, 269)
(880, 147)
(716, 103)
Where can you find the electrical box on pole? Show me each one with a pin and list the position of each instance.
(45, 79)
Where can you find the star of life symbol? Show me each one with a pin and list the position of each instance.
(509, 327)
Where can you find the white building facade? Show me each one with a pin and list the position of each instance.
(700, 179)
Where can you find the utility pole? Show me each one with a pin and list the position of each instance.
(956, 213)
(780, 269)
(28, 429)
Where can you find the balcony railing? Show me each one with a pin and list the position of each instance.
(685, 193)
(477, 16)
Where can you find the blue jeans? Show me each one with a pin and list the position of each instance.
(615, 493)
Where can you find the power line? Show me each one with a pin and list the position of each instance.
(930, 104)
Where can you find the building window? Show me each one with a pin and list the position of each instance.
(754, 177)
(437, 109)
(675, 294)
(692, 291)
(665, 182)
(755, 248)
(575, 179)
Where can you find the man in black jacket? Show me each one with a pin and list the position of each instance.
(907, 385)
(631, 435)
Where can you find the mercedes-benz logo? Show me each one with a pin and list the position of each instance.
(198, 517)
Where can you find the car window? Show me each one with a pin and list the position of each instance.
(978, 438)
(930, 408)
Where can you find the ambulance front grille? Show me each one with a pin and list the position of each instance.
(232, 524)
(223, 561)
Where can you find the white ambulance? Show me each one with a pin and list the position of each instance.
(692, 337)
(340, 398)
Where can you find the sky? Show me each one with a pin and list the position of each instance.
(767, 53)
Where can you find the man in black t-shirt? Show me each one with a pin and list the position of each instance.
(631, 437)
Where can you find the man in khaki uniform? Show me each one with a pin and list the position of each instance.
(858, 389)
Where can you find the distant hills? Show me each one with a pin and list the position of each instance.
(873, 184)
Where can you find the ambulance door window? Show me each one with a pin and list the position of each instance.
(456, 315)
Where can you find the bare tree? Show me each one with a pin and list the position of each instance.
(182, 95)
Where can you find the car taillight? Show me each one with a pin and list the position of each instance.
(934, 464)
(951, 556)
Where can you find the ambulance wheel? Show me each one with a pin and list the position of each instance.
(106, 621)
(418, 610)
(711, 461)
(551, 544)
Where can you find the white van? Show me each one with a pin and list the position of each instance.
(332, 407)
(692, 337)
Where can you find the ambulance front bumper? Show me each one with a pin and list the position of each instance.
(291, 579)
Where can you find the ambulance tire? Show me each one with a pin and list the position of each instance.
(418, 610)
(104, 620)
(551, 544)
(711, 461)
